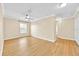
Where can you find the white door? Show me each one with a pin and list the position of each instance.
(1, 31)
(77, 29)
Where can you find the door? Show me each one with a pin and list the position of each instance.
(1, 30)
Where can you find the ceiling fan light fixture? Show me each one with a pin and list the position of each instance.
(62, 5)
(28, 17)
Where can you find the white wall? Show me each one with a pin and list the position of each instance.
(12, 28)
(44, 28)
(1, 30)
(66, 28)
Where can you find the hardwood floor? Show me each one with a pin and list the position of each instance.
(30, 46)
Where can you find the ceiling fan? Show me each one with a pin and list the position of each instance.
(28, 16)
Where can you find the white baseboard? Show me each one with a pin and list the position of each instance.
(65, 38)
(43, 38)
(77, 41)
(15, 37)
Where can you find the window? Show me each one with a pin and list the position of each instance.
(23, 28)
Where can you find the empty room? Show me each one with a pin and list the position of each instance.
(39, 29)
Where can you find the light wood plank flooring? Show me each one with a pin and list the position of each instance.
(30, 46)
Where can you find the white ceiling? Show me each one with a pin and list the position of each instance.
(18, 10)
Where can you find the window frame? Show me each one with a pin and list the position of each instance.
(20, 28)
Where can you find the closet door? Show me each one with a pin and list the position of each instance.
(1, 30)
(77, 29)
